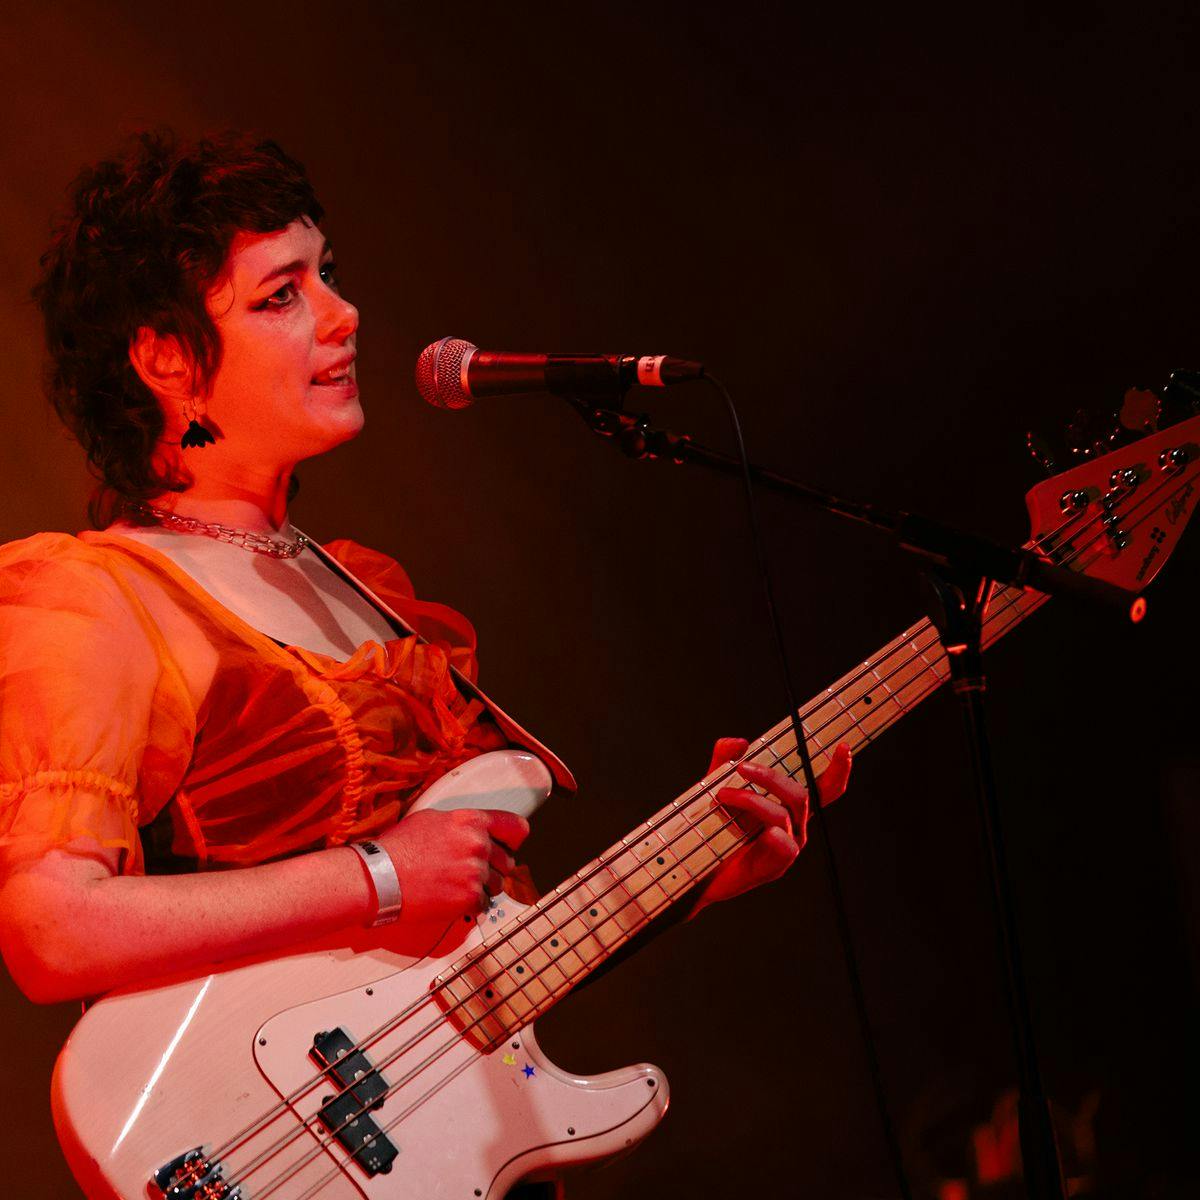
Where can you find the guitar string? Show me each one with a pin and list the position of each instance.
(550, 899)
(490, 947)
(445, 1048)
(425, 1096)
(574, 946)
(618, 882)
(1177, 476)
(491, 1012)
(907, 641)
(563, 894)
(1011, 601)
(274, 1184)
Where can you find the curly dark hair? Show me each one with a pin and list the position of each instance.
(145, 235)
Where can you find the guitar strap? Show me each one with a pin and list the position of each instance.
(564, 781)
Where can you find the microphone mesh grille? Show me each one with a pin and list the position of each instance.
(439, 373)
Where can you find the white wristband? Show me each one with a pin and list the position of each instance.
(383, 879)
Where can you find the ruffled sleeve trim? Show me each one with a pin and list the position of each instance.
(50, 809)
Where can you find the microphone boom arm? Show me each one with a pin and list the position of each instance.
(951, 552)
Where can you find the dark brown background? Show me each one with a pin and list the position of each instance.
(902, 244)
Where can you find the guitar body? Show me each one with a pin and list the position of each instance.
(150, 1074)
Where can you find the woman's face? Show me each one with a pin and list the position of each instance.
(285, 388)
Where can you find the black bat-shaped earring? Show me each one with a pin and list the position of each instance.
(196, 435)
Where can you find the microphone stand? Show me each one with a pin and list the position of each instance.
(963, 570)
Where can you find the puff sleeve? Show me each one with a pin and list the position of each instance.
(96, 723)
(436, 623)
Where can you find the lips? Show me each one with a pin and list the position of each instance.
(337, 374)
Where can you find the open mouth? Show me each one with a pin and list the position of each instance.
(335, 377)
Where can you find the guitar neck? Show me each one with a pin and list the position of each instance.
(875, 695)
(532, 962)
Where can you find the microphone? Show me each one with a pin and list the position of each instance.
(452, 373)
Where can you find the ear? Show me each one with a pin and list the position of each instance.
(162, 365)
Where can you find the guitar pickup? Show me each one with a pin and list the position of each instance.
(362, 1089)
(344, 1117)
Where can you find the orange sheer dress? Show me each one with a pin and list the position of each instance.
(290, 750)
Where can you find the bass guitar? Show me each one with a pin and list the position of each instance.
(401, 1063)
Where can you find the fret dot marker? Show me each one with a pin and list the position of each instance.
(866, 699)
(554, 942)
(520, 970)
(592, 912)
(489, 993)
(660, 860)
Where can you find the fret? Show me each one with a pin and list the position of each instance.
(938, 665)
(840, 724)
(717, 832)
(476, 1006)
(868, 699)
(638, 865)
(613, 881)
(598, 916)
(545, 968)
(680, 841)
(882, 682)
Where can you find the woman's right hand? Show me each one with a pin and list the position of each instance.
(451, 863)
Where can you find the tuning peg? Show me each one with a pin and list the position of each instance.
(1042, 452)
(1141, 410)
(1181, 396)
(1088, 436)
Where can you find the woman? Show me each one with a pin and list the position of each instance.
(202, 713)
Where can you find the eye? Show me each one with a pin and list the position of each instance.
(329, 273)
(281, 298)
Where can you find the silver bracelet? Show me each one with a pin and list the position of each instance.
(383, 879)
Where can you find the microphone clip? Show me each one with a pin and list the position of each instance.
(632, 432)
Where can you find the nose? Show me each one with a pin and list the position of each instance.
(339, 318)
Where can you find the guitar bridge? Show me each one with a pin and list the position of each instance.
(362, 1090)
(191, 1176)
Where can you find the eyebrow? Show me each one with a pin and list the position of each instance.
(297, 264)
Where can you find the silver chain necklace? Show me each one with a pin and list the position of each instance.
(260, 543)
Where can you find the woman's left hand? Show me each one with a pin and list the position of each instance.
(783, 813)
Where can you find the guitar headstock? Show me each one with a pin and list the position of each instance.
(1118, 515)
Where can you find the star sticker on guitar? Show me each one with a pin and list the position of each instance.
(529, 1072)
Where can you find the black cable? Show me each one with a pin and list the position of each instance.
(815, 809)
